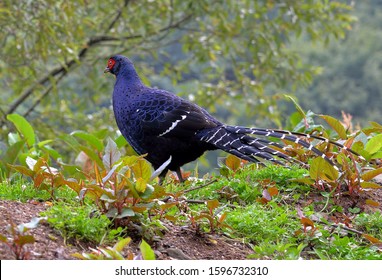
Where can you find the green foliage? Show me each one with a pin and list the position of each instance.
(350, 80)
(261, 224)
(346, 248)
(20, 190)
(24, 127)
(22, 145)
(370, 223)
(115, 252)
(20, 238)
(54, 52)
(215, 219)
(81, 223)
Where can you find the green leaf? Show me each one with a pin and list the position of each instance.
(370, 185)
(90, 139)
(374, 144)
(23, 170)
(148, 192)
(3, 238)
(23, 127)
(25, 239)
(336, 125)
(13, 152)
(371, 174)
(122, 244)
(120, 141)
(146, 251)
(321, 169)
(298, 107)
(377, 155)
(126, 212)
(141, 185)
(142, 169)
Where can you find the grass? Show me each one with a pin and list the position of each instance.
(21, 190)
(273, 230)
(81, 222)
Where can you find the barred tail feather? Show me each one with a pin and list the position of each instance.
(281, 134)
(246, 147)
(237, 140)
(307, 136)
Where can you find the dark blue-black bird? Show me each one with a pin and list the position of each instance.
(163, 125)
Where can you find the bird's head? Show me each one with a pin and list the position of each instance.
(118, 62)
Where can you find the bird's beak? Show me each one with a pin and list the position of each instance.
(106, 70)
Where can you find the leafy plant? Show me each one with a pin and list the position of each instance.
(351, 155)
(120, 186)
(115, 252)
(23, 144)
(20, 238)
(215, 220)
(81, 223)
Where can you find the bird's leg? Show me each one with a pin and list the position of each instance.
(179, 174)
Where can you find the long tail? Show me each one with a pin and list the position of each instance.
(236, 140)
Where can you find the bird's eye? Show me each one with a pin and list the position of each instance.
(110, 63)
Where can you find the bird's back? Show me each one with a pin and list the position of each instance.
(161, 124)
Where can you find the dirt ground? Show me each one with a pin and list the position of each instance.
(177, 242)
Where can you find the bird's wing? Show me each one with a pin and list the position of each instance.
(174, 117)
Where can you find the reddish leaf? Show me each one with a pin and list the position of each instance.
(206, 216)
(262, 200)
(171, 218)
(273, 191)
(233, 162)
(223, 217)
(38, 180)
(23, 170)
(372, 239)
(212, 204)
(307, 222)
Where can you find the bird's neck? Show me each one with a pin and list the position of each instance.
(129, 79)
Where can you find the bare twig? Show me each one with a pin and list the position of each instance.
(118, 16)
(340, 227)
(45, 94)
(204, 202)
(202, 186)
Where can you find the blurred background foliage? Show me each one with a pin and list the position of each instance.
(235, 58)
